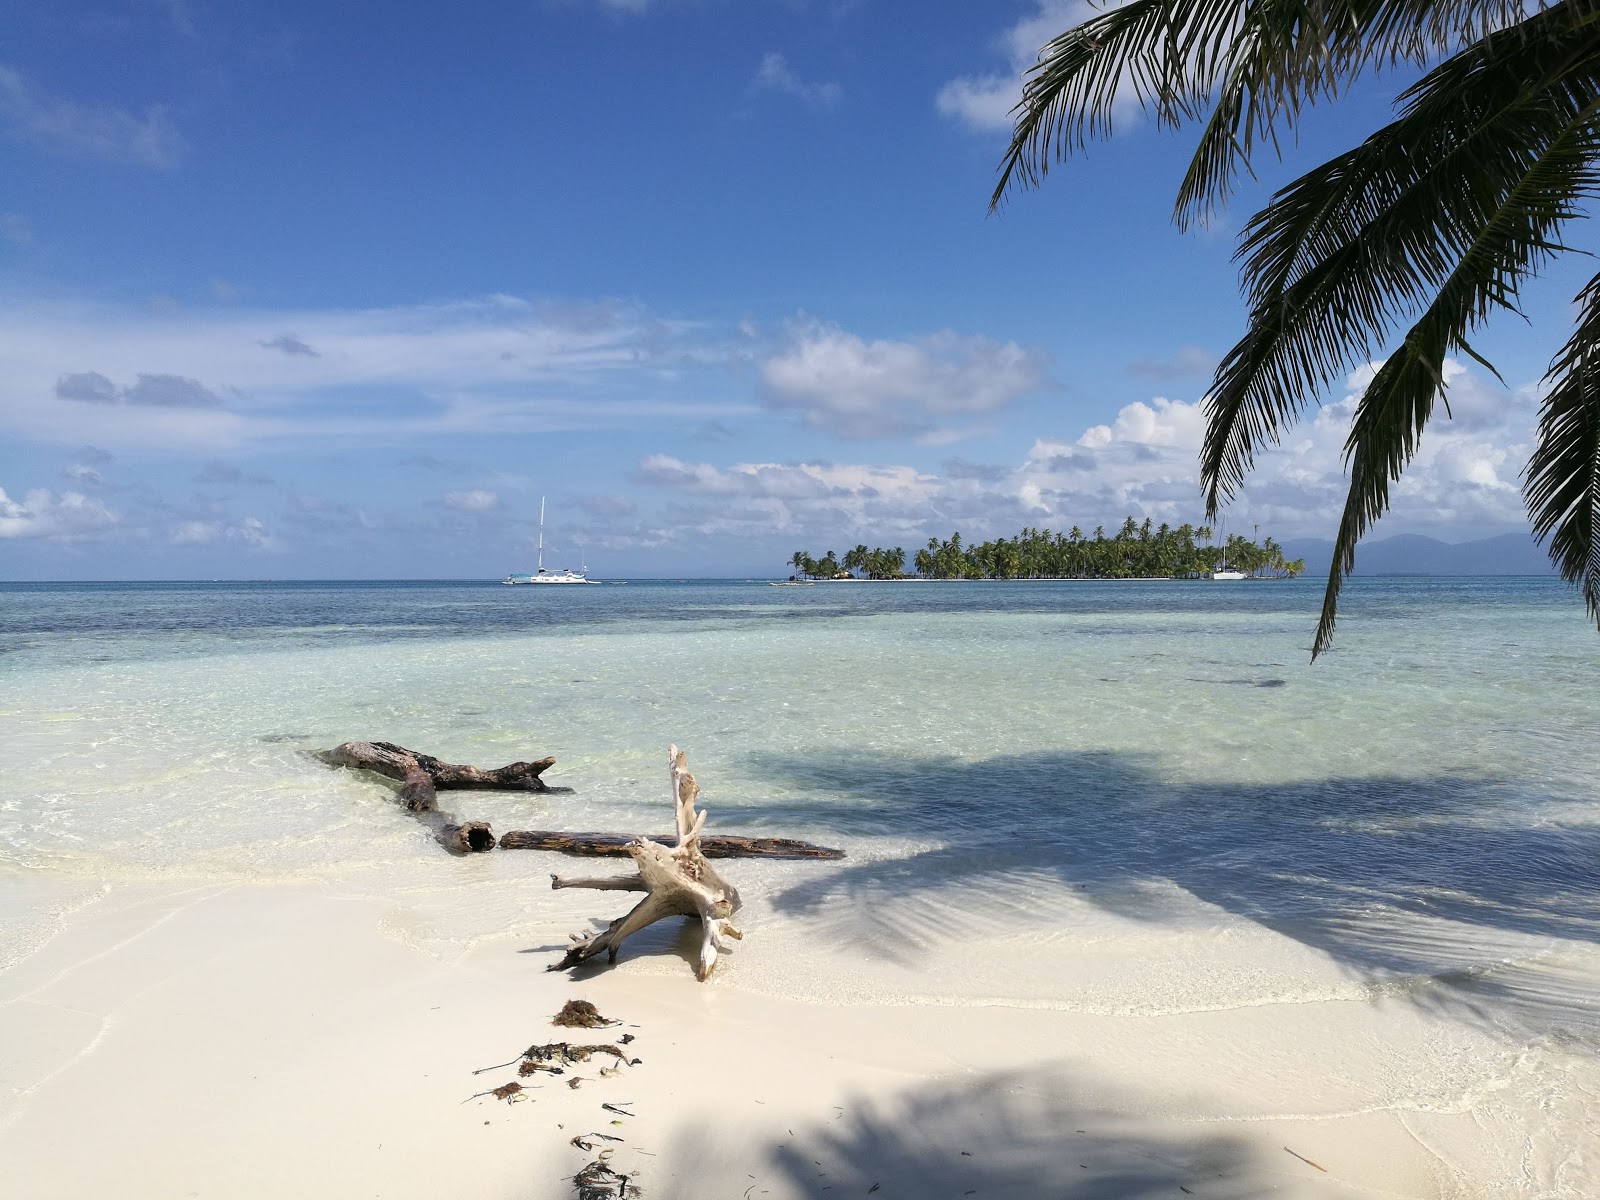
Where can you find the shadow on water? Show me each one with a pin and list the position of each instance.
(1006, 1134)
(1436, 890)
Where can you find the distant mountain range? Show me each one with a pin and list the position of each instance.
(1413, 554)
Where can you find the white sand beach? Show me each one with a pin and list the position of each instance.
(239, 1040)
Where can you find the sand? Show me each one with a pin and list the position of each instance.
(234, 1039)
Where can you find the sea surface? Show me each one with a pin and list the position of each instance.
(1136, 800)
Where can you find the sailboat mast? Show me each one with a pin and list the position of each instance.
(541, 535)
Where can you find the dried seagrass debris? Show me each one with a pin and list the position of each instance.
(566, 1052)
(580, 1014)
(597, 1181)
(506, 1091)
(586, 1141)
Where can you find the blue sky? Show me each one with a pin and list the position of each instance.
(307, 290)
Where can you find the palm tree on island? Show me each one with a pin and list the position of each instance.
(1428, 226)
(1136, 551)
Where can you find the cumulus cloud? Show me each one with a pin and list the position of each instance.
(65, 517)
(776, 75)
(473, 500)
(145, 139)
(860, 389)
(290, 345)
(984, 101)
(1463, 482)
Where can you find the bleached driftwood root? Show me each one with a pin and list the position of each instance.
(422, 777)
(678, 880)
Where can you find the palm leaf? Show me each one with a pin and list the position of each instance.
(1287, 54)
(1397, 404)
(1256, 62)
(1563, 478)
(1347, 252)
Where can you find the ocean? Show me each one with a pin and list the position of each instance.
(1136, 800)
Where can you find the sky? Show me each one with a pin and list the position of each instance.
(295, 290)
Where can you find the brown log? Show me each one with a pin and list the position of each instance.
(678, 880)
(397, 762)
(616, 845)
(421, 778)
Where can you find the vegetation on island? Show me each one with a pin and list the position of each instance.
(1395, 250)
(1134, 551)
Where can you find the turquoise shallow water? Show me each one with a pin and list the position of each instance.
(1147, 784)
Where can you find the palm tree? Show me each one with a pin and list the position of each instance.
(1427, 227)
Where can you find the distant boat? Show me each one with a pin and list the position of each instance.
(1227, 572)
(540, 575)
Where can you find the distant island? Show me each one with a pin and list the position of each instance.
(1135, 551)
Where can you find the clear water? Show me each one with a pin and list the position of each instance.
(1146, 785)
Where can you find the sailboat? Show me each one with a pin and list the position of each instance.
(540, 575)
(1227, 572)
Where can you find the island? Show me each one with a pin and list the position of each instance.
(1136, 551)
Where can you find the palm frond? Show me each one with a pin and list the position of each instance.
(1255, 63)
(1397, 404)
(1562, 488)
(1287, 54)
(1490, 155)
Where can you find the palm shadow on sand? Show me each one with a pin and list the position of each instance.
(1423, 879)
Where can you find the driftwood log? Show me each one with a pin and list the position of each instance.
(616, 845)
(678, 880)
(422, 777)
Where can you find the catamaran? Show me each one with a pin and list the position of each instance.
(540, 575)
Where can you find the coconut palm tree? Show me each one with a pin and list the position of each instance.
(1423, 230)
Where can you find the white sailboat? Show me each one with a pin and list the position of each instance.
(540, 575)
(1227, 572)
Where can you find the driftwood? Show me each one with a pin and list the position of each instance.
(678, 879)
(422, 777)
(616, 845)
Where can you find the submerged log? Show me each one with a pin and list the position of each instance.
(616, 845)
(422, 777)
(410, 768)
(678, 880)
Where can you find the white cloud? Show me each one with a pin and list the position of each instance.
(776, 75)
(984, 101)
(69, 516)
(249, 532)
(1144, 463)
(114, 134)
(200, 380)
(474, 500)
(859, 389)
